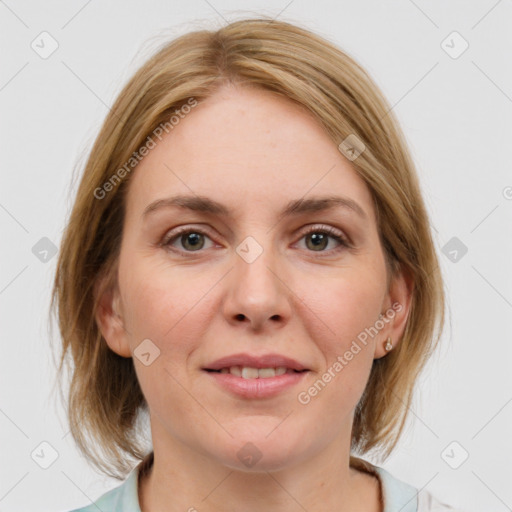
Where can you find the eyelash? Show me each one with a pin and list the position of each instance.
(328, 230)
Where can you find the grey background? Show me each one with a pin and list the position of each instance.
(456, 114)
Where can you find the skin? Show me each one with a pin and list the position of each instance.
(253, 152)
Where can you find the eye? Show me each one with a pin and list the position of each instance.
(191, 240)
(319, 236)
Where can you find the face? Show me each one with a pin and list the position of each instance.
(250, 278)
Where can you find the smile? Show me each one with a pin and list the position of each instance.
(250, 383)
(248, 372)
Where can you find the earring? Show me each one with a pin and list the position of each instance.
(388, 345)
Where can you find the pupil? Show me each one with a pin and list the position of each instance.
(193, 238)
(318, 239)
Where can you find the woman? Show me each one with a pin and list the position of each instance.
(249, 261)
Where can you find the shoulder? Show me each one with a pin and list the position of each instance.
(418, 500)
(106, 503)
(399, 495)
(123, 497)
(428, 503)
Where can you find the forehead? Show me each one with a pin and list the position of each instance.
(245, 147)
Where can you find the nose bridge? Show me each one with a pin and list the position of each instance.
(256, 290)
(253, 263)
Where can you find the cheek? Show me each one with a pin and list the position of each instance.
(355, 310)
(167, 309)
(149, 298)
(346, 309)
(347, 304)
(165, 305)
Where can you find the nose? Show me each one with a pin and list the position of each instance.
(256, 293)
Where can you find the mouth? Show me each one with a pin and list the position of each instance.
(248, 372)
(256, 376)
(251, 383)
(255, 365)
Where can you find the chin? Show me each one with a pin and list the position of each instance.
(259, 453)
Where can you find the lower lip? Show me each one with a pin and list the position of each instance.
(257, 388)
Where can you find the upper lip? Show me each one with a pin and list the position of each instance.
(252, 361)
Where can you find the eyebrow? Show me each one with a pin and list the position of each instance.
(295, 207)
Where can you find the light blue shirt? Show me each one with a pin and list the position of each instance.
(397, 496)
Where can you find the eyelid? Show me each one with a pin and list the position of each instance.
(174, 234)
(331, 231)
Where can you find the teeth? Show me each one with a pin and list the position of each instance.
(235, 370)
(250, 373)
(266, 372)
(246, 372)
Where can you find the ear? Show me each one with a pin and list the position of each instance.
(395, 311)
(109, 316)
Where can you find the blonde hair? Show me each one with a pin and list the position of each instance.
(105, 399)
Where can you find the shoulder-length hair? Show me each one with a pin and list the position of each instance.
(104, 399)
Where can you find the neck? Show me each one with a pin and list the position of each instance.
(181, 479)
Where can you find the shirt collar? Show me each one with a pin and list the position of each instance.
(397, 495)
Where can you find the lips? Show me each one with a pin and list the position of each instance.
(256, 377)
(251, 361)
